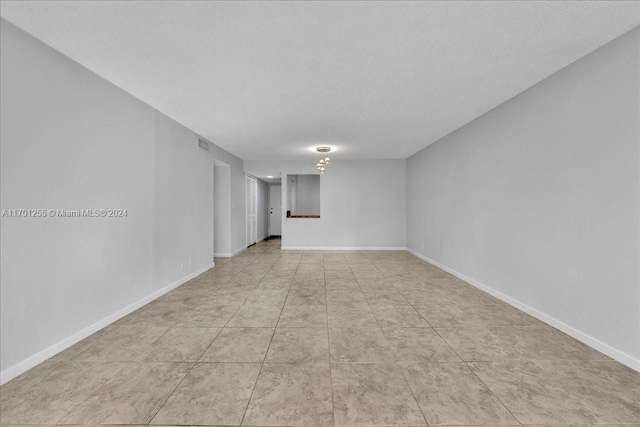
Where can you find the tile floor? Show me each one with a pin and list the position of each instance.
(273, 338)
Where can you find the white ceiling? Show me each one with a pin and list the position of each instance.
(376, 80)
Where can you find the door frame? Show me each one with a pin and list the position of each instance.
(251, 195)
(270, 230)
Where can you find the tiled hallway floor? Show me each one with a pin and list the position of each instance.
(273, 338)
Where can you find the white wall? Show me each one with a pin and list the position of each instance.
(237, 202)
(539, 200)
(183, 203)
(222, 210)
(292, 193)
(71, 140)
(362, 204)
(262, 209)
(307, 195)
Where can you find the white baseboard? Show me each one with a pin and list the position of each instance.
(21, 367)
(342, 248)
(238, 251)
(620, 356)
(229, 254)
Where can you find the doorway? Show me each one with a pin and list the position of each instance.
(275, 210)
(252, 210)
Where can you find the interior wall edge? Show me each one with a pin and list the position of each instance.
(614, 353)
(34, 360)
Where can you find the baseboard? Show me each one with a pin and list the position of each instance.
(620, 356)
(238, 251)
(342, 248)
(21, 367)
(229, 254)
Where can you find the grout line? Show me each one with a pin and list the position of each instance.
(395, 357)
(250, 261)
(491, 391)
(195, 363)
(326, 311)
(266, 351)
(171, 394)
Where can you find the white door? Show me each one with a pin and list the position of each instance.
(275, 210)
(252, 205)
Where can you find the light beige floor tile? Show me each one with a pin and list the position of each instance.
(495, 313)
(306, 296)
(351, 316)
(133, 396)
(275, 283)
(337, 266)
(540, 374)
(308, 283)
(594, 425)
(291, 395)
(234, 293)
(425, 297)
(281, 271)
(157, 313)
(232, 296)
(441, 314)
(372, 394)
(350, 284)
(303, 316)
(359, 345)
(346, 297)
(375, 284)
(249, 316)
(296, 345)
(312, 258)
(181, 345)
(384, 296)
(59, 389)
(311, 266)
(267, 297)
(339, 274)
(403, 316)
(419, 345)
(450, 394)
(18, 388)
(504, 343)
(309, 275)
(239, 345)
(554, 392)
(367, 274)
(213, 316)
(115, 344)
(211, 394)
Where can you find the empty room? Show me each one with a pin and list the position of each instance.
(320, 213)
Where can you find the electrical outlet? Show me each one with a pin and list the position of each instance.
(181, 265)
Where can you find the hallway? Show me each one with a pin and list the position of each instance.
(287, 338)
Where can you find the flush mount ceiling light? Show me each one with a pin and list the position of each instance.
(269, 176)
(323, 162)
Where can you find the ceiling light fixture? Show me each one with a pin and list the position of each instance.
(269, 176)
(323, 162)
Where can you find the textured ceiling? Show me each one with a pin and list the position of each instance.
(377, 80)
